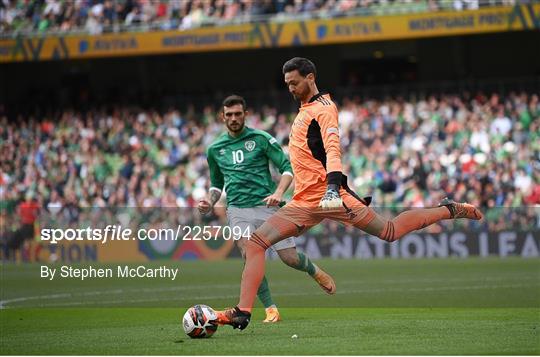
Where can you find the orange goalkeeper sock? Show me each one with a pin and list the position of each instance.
(412, 220)
(253, 270)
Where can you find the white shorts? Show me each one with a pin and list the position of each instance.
(249, 219)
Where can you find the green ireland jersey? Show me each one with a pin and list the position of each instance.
(241, 166)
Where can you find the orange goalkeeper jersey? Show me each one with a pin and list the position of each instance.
(314, 148)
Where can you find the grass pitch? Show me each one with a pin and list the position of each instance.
(440, 306)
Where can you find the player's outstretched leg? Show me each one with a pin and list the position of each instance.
(408, 221)
(300, 261)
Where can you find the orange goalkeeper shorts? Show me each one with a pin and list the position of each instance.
(305, 215)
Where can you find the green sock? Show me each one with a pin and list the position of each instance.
(264, 293)
(305, 264)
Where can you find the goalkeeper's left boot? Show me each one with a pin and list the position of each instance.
(235, 317)
(461, 210)
(272, 315)
(324, 280)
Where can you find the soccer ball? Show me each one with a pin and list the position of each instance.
(200, 321)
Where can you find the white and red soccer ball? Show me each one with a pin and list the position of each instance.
(200, 321)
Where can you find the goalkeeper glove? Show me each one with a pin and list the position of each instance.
(331, 199)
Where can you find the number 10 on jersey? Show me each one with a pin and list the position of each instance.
(237, 156)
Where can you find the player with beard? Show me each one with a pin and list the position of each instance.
(321, 190)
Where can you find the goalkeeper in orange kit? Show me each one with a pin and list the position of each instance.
(321, 190)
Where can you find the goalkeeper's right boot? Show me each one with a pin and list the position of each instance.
(324, 280)
(461, 210)
(234, 317)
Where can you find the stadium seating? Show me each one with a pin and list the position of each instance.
(99, 16)
(408, 154)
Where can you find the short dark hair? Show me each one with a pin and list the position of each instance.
(303, 65)
(233, 100)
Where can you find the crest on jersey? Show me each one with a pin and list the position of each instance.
(222, 152)
(250, 145)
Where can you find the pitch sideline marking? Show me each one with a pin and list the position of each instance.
(3, 303)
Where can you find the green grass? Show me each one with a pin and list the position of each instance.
(446, 306)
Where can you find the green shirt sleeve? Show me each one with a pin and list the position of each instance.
(275, 153)
(216, 176)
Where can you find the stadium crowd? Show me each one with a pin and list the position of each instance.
(98, 16)
(481, 149)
